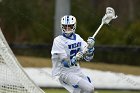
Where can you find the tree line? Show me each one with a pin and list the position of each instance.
(32, 21)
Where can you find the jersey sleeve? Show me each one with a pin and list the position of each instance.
(84, 44)
(58, 48)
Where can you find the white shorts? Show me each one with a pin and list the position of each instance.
(71, 79)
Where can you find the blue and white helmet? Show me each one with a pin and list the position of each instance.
(68, 25)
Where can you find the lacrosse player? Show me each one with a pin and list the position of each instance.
(66, 51)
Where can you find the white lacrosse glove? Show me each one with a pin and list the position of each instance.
(79, 55)
(91, 42)
(73, 61)
(76, 58)
(90, 51)
(110, 14)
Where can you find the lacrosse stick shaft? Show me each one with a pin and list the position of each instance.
(98, 30)
(84, 50)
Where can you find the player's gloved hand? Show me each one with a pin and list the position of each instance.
(73, 61)
(90, 51)
(79, 55)
(91, 42)
(89, 54)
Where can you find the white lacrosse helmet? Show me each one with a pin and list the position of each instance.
(68, 25)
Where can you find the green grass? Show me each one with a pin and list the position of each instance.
(97, 91)
(116, 91)
(56, 91)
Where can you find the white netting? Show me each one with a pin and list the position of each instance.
(13, 78)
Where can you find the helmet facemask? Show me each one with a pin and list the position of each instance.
(68, 25)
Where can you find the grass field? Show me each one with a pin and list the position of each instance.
(97, 91)
(46, 62)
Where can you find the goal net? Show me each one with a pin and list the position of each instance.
(13, 78)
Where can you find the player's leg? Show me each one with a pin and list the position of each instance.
(70, 88)
(85, 86)
(75, 83)
(65, 85)
(76, 90)
(69, 81)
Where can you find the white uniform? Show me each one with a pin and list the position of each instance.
(67, 48)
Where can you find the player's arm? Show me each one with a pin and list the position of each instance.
(90, 49)
(88, 55)
(58, 52)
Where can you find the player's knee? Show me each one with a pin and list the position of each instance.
(91, 90)
(86, 86)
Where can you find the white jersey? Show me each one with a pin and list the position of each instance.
(65, 48)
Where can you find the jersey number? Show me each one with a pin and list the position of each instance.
(74, 52)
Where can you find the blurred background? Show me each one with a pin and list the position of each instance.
(33, 23)
(30, 26)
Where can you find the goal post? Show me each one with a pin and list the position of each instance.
(13, 78)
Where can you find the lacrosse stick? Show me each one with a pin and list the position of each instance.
(110, 14)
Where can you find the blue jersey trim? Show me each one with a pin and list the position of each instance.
(70, 37)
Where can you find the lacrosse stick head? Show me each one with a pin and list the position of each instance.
(110, 14)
